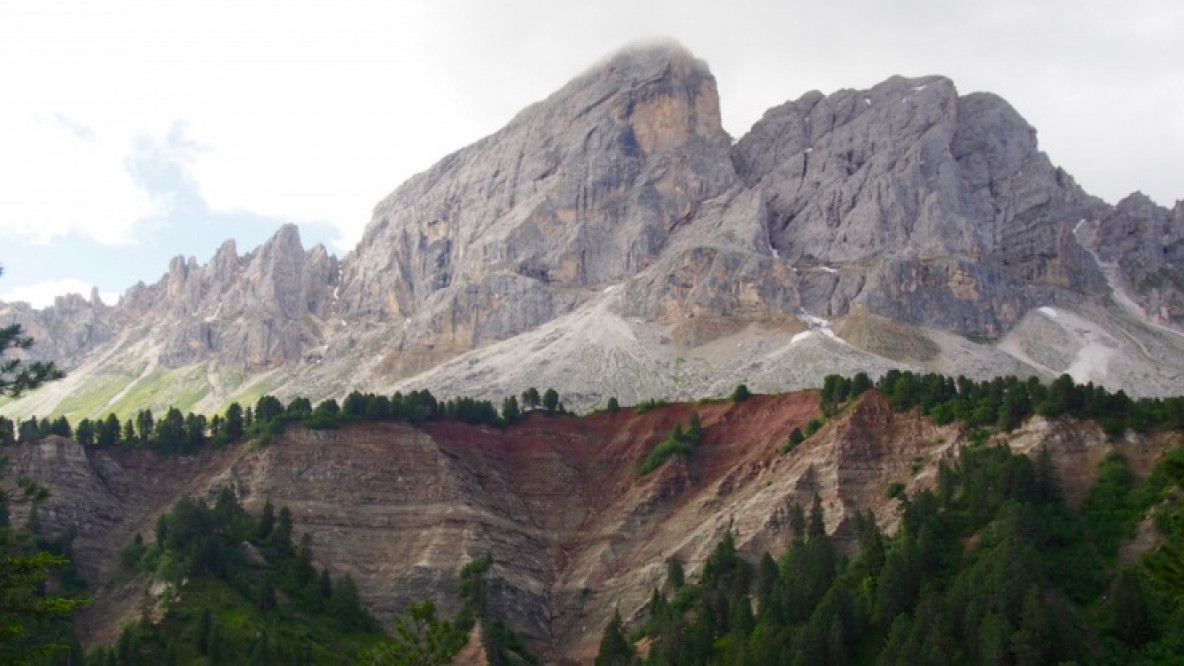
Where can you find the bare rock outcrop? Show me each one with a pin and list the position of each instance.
(257, 311)
(573, 532)
(621, 195)
(1146, 243)
(580, 190)
(929, 207)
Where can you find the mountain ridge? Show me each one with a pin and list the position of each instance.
(620, 202)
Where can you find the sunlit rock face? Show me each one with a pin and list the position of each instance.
(620, 203)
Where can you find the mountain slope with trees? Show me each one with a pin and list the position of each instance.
(989, 567)
(402, 500)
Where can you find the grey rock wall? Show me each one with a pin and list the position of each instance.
(907, 201)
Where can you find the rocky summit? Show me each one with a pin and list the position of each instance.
(614, 240)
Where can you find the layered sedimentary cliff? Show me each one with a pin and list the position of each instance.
(555, 500)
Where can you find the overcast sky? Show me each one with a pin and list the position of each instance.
(131, 132)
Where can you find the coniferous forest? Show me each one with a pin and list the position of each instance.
(251, 594)
(992, 566)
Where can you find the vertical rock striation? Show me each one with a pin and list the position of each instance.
(930, 207)
(578, 191)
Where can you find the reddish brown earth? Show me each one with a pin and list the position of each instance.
(555, 500)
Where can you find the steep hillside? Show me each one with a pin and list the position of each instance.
(556, 501)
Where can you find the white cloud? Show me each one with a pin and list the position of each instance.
(305, 112)
(57, 180)
(42, 294)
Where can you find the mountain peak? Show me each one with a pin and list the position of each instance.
(616, 214)
(648, 55)
(579, 190)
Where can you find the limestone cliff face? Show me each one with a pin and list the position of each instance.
(1146, 244)
(580, 190)
(933, 208)
(256, 311)
(556, 502)
(68, 330)
(620, 196)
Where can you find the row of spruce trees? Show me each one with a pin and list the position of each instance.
(185, 434)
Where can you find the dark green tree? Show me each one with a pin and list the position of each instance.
(61, 427)
(28, 431)
(326, 415)
(303, 571)
(1132, 617)
(144, 425)
(615, 650)
(816, 528)
(23, 604)
(108, 432)
(835, 389)
(531, 399)
(474, 586)
(267, 408)
(675, 576)
(510, 410)
(741, 393)
(550, 401)
(23, 567)
(860, 383)
(325, 584)
(169, 433)
(195, 432)
(16, 375)
(378, 408)
(261, 652)
(299, 408)
(267, 520)
(280, 541)
(214, 645)
(421, 638)
(346, 605)
(233, 425)
(126, 645)
(354, 405)
(796, 437)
